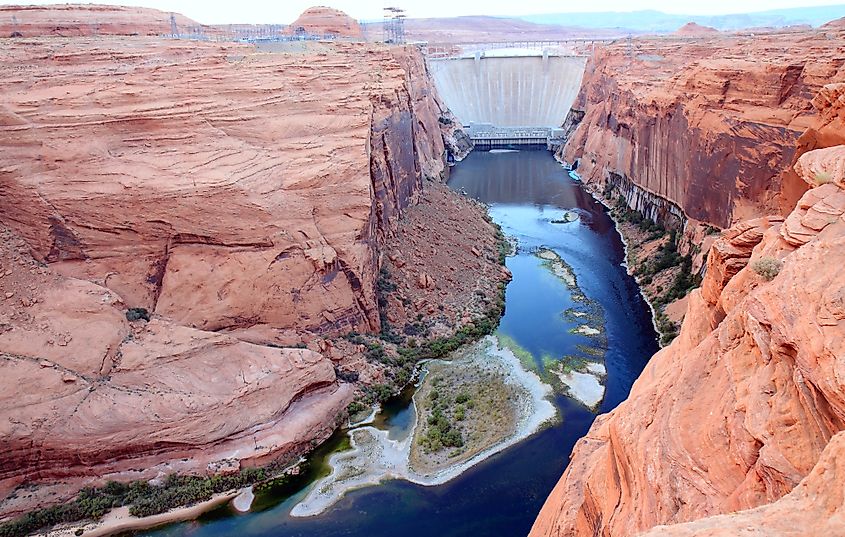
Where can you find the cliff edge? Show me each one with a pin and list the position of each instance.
(740, 410)
(180, 219)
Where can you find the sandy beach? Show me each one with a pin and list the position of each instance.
(119, 520)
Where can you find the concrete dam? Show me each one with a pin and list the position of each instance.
(509, 99)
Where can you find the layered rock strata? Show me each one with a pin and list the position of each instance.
(740, 408)
(814, 507)
(241, 198)
(326, 21)
(70, 20)
(707, 125)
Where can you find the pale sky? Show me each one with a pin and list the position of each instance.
(285, 11)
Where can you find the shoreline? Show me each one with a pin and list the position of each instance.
(376, 458)
(118, 520)
(616, 224)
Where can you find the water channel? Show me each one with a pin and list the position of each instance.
(530, 195)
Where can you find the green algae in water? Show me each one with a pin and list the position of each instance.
(524, 355)
(272, 492)
(595, 352)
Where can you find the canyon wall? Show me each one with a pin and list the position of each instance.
(241, 198)
(86, 20)
(735, 424)
(708, 125)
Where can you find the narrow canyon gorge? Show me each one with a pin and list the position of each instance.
(232, 265)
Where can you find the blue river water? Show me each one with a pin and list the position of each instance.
(526, 190)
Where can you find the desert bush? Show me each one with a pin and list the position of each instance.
(134, 314)
(767, 267)
(142, 498)
(823, 178)
(355, 407)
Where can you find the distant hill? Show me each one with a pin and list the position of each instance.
(481, 28)
(657, 21)
(692, 28)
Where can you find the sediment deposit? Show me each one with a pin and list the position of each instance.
(742, 406)
(376, 457)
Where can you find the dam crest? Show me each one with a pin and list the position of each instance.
(510, 96)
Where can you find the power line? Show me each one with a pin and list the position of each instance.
(394, 25)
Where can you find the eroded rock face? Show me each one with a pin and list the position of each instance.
(89, 395)
(708, 124)
(86, 20)
(814, 507)
(321, 20)
(739, 409)
(243, 198)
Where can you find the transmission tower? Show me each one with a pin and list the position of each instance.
(173, 30)
(394, 25)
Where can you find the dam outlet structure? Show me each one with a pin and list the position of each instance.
(510, 97)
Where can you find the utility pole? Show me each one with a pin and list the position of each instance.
(394, 25)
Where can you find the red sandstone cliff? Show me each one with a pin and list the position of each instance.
(321, 20)
(744, 405)
(708, 125)
(243, 198)
(85, 20)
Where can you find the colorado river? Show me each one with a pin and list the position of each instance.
(554, 221)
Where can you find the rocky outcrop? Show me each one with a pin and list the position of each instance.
(326, 21)
(814, 507)
(709, 124)
(242, 198)
(68, 20)
(740, 408)
(245, 201)
(88, 395)
(692, 28)
(835, 24)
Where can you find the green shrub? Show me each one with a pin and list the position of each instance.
(134, 314)
(462, 397)
(440, 433)
(356, 407)
(144, 499)
(767, 267)
(823, 178)
(668, 329)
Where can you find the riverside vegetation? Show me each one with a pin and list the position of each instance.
(143, 498)
(401, 352)
(664, 277)
(398, 353)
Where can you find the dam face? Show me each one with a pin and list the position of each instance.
(522, 96)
